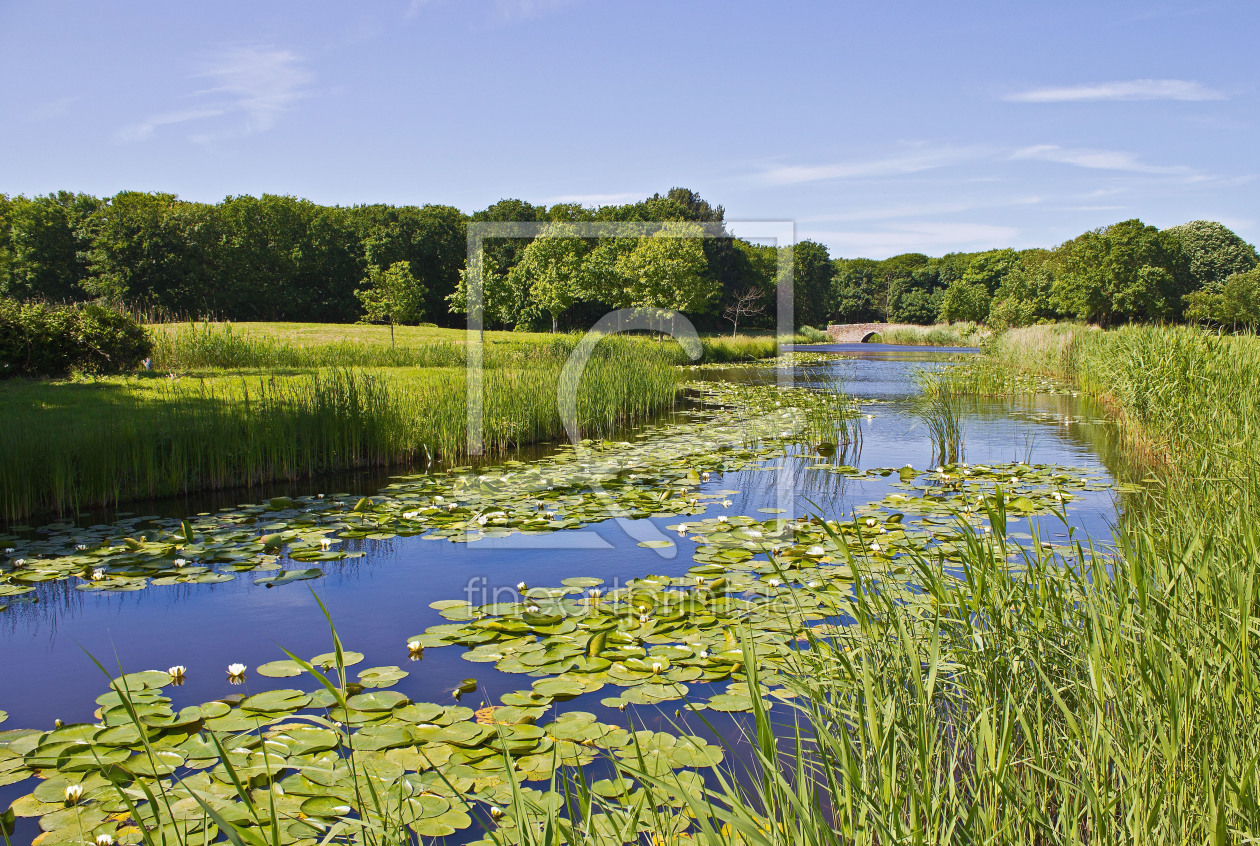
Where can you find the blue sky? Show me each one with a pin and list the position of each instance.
(878, 128)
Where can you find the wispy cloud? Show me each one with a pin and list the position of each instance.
(911, 161)
(903, 237)
(250, 86)
(1099, 160)
(1132, 89)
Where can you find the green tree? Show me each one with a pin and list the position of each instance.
(668, 271)
(43, 246)
(857, 291)
(393, 294)
(1234, 302)
(551, 271)
(812, 272)
(964, 300)
(1212, 251)
(1127, 271)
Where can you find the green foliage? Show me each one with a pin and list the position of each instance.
(41, 246)
(1234, 303)
(812, 274)
(964, 300)
(1127, 271)
(1213, 252)
(550, 273)
(668, 270)
(394, 294)
(37, 339)
(74, 445)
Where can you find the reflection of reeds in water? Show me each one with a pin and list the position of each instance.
(942, 416)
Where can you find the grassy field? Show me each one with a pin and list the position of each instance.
(270, 402)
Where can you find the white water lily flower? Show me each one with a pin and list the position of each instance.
(682, 529)
(236, 670)
(815, 550)
(874, 546)
(704, 653)
(644, 619)
(98, 574)
(533, 609)
(521, 586)
(414, 646)
(481, 521)
(326, 543)
(987, 530)
(594, 593)
(1058, 497)
(815, 584)
(18, 562)
(722, 518)
(81, 546)
(773, 582)
(726, 503)
(439, 499)
(657, 667)
(104, 840)
(176, 672)
(871, 521)
(74, 793)
(8, 550)
(705, 475)
(1014, 480)
(699, 580)
(181, 562)
(496, 812)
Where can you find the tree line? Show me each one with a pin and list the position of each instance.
(1128, 271)
(283, 258)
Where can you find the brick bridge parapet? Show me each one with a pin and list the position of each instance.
(857, 333)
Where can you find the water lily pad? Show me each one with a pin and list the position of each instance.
(328, 660)
(280, 669)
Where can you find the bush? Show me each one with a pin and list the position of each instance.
(812, 335)
(37, 339)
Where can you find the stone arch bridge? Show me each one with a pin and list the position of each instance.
(858, 333)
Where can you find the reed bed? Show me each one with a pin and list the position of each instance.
(226, 346)
(76, 445)
(1074, 696)
(1084, 697)
(941, 335)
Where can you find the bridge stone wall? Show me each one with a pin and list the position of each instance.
(857, 333)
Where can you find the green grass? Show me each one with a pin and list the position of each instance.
(255, 403)
(72, 445)
(940, 335)
(185, 347)
(1103, 699)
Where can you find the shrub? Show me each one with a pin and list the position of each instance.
(37, 339)
(812, 335)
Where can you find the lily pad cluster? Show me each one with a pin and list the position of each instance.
(660, 473)
(310, 765)
(770, 579)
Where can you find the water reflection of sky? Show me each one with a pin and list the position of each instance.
(379, 601)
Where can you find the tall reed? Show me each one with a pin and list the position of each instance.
(73, 446)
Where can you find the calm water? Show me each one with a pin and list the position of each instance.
(378, 601)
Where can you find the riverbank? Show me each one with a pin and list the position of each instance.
(1090, 695)
(228, 406)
